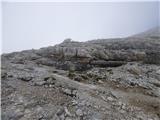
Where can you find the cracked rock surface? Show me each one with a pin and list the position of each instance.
(106, 79)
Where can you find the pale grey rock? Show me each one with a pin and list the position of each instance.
(79, 112)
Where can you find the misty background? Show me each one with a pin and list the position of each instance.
(28, 25)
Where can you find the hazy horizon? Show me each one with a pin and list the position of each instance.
(35, 25)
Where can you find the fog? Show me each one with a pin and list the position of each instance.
(34, 25)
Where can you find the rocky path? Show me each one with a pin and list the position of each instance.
(25, 100)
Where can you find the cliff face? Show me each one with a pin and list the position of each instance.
(98, 79)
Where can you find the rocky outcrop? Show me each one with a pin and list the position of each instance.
(102, 63)
(152, 57)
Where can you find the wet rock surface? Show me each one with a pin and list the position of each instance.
(114, 79)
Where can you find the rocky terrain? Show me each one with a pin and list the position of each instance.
(104, 79)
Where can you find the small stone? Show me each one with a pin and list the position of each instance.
(67, 91)
(114, 94)
(39, 83)
(26, 78)
(78, 79)
(110, 98)
(74, 102)
(100, 81)
(27, 111)
(122, 111)
(51, 86)
(123, 106)
(88, 104)
(39, 109)
(67, 111)
(79, 112)
(135, 71)
(74, 92)
(60, 112)
(120, 103)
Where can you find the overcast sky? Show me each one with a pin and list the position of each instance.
(34, 25)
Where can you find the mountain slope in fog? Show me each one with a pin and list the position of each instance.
(96, 80)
